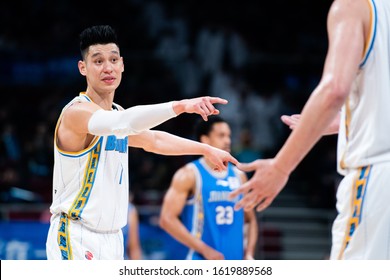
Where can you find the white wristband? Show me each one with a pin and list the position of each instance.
(130, 121)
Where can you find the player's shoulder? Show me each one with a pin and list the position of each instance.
(77, 106)
(185, 174)
(77, 102)
(186, 171)
(347, 8)
(184, 178)
(239, 173)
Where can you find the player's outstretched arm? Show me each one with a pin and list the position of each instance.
(89, 118)
(346, 21)
(164, 143)
(143, 117)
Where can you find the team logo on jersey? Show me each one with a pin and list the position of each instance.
(231, 182)
(216, 196)
(88, 255)
(116, 144)
(222, 183)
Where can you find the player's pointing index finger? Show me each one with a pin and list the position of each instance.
(218, 100)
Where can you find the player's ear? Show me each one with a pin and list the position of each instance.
(204, 139)
(82, 68)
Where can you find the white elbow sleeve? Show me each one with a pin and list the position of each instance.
(130, 121)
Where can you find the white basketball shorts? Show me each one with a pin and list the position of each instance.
(362, 228)
(71, 240)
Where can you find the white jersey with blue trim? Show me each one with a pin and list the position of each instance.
(365, 122)
(92, 185)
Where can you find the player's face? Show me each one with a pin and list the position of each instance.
(220, 136)
(103, 67)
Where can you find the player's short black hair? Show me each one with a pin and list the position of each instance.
(98, 34)
(204, 127)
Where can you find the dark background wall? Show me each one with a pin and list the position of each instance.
(271, 51)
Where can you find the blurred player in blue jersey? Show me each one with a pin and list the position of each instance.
(197, 211)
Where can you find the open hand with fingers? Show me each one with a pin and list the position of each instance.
(203, 106)
(262, 188)
(212, 254)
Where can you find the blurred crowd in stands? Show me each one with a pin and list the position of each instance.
(265, 58)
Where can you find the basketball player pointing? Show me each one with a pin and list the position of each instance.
(90, 179)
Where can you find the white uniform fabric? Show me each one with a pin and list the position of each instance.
(361, 231)
(90, 189)
(365, 121)
(362, 228)
(70, 240)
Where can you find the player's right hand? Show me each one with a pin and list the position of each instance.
(203, 106)
(211, 254)
(261, 189)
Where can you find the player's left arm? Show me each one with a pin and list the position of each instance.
(164, 143)
(251, 235)
(133, 242)
(251, 227)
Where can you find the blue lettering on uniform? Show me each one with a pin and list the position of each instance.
(110, 144)
(116, 144)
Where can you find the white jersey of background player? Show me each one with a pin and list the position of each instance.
(355, 80)
(364, 150)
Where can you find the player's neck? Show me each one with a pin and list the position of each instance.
(104, 100)
(211, 166)
(208, 163)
